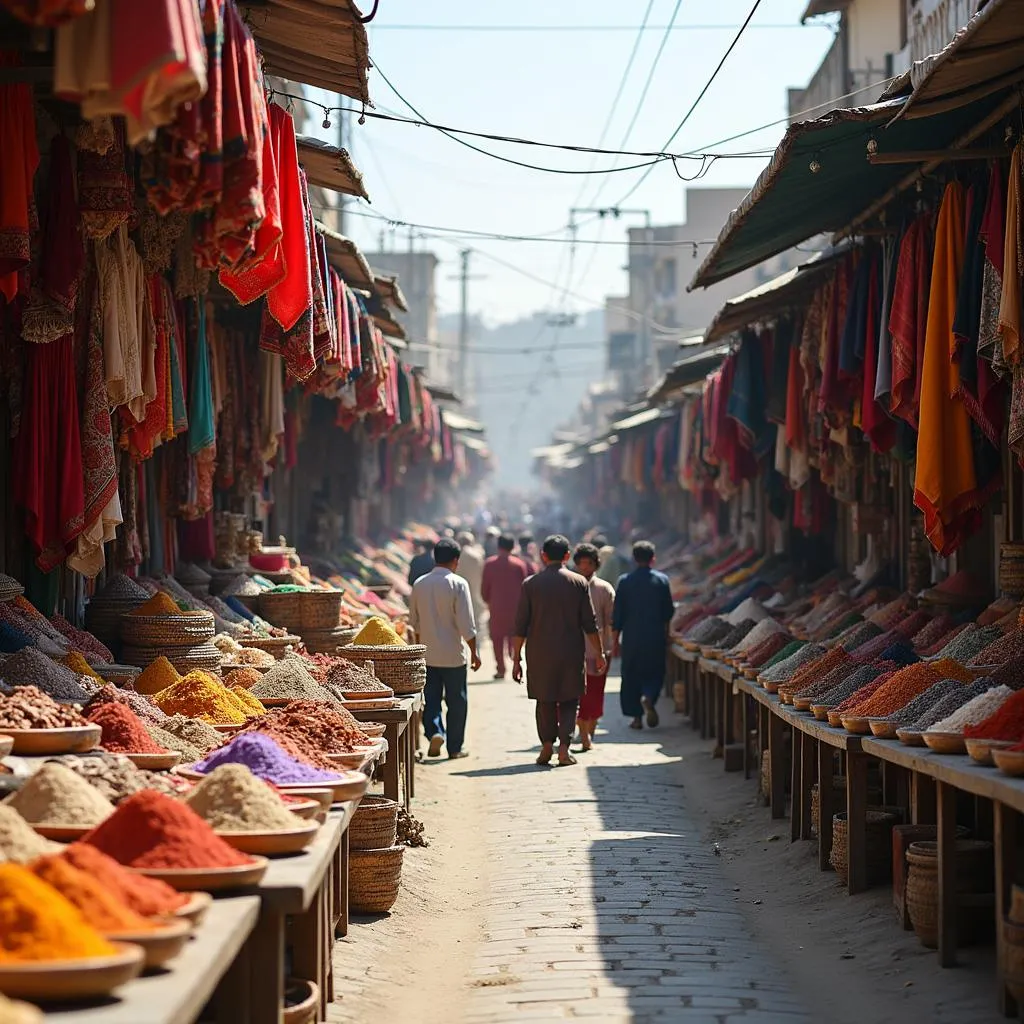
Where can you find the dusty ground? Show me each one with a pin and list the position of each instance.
(595, 891)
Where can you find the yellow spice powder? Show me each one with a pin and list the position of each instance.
(378, 633)
(157, 676)
(200, 695)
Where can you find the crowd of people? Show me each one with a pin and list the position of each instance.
(568, 611)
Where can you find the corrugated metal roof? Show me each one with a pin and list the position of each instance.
(388, 289)
(346, 258)
(693, 367)
(330, 167)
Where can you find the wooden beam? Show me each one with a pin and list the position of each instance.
(945, 155)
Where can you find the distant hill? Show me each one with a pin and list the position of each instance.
(562, 360)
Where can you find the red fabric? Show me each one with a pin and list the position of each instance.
(993, 224)
(141, 438)
(592, 702)
(908, 319)
(48, 478)
(503, 579)
(47, 13)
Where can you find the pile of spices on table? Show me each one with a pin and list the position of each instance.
(194, 732)
(55, 795)
(948, 704)
(255, 656)
(864, 693)
(150, 830)
(232, 799)
(242, 677)
(348, 677)
(1005, 723)
(761, 632)
(117, 778)
(314, 727)
(200, 695)
(37, 923)
(19, 842)
(820, 686)
(289, 679)
(123, 731)
(146, 896)
(966, 644)
(925, 701)
(253, 708)
(100, 907)
(82, 641)
(378, 633)
(944, 641)
(857, 635)
(812, 670)
(266, 759)
(1001, 650)
(30, 708)
(139, 704)
(932, 632)
(77, 664)
(784, 669)
(906, 684)
(974, 711)
(30, 667)
(158, 604)
(847, 686)
(758, 655)
(156, 676)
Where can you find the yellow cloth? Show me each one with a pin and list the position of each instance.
(1009, 300)
(945, 487)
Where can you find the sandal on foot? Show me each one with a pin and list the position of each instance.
(565, 764)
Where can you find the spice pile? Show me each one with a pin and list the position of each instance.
(948, 704)
(786, 668)
(142, 706)
(1005, 723)
(846, 687)
(192, 733)
(19, 842)
(158, 604)
(254, 656)
(123, 731)
(55, 795)
(29, 667)
(117, 778)
(242, 678)
(232, 799)
(266, 759)
(925, 701)
(30, 708)
(312, 726)
(200, 695)
(289, 679)
(77, 664)
(906, 684)
(158, 675)
(150, 830)
(146, 896)
(347, 677)
(38, 923)
(974, 711)
(378, 633)
(966, 644)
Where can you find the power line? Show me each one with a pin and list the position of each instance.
(701, 27)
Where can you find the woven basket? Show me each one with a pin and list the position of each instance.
(766, 775)
(404, 669)
(974, 876)
(878, 826)
(320, 609)
(374, 877)
(374, 825)
(347, 635)
(322, 641)
(184, 659)
(838, 797)
(284, 610)
(275, 645)
(119, 675)
(167, 630)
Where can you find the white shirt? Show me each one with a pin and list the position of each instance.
(441, 612)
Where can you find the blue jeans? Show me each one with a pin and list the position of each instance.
(449, 684)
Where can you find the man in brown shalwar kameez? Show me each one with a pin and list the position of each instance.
(556, 621)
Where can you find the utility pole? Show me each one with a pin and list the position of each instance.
(464, 277)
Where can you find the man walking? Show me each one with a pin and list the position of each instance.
(587, 560)
(441, 612)
(555, 619)
(471, 569)
(422, 562)
(503, 578)
(526, 553)
(643, 612)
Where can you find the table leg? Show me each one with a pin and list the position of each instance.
(745, 726)
(826, 804)
(807, 769)
(691, 695)
(410, 760)
(796, 784)
(922, 799)
(1004, 834)
(231, 997)
(946, 800)
(308, 943)
(391, 762)
(776, 767)
(267, 968)
(341, 926)
(856, 822)
(721, 712)
(693, 674)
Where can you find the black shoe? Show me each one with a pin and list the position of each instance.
(652, 712)
(458, 755)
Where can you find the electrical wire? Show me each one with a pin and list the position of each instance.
(787, 26)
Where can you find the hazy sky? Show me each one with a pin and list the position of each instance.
(555, 85)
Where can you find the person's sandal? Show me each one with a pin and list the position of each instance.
(436, 743)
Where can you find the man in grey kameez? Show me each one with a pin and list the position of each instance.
(556, 621)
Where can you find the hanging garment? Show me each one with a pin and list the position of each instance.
(883, 348)
(106, 191)
(946, 487)
(908, 318)
(201, 431)
(1010, 299)
(993, 230)
(47, 13)
(271, 405)
(878, 427)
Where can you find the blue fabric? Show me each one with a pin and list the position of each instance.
(747, 403)
(236, 606)
(643, 610)
(448, 684)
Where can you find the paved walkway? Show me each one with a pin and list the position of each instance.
(605, 901)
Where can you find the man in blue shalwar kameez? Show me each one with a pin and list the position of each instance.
(643, 611)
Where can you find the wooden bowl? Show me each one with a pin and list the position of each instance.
(210, 879)
(354, 759)
(980, 751)
(770, 687)
(834, 718)
(373, 729)
(350, 785)
(6, 745)
(75, 739)
(803, 703)
(882, 728)
(160, 944)
(276, 702)
(367, 694)
(323, 798)
(820, 712)
(306, 1005)
(155, 762)
(57, 981)
(270, 844)
(310, 808)
(1009, 762)
(945, 742)
(61, 833)
(196, 908)
(229, 730)
(910, 737)
(857, 724)
(785, 696)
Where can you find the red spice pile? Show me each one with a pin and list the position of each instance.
(1007, 723)
(309, 729)
(123, 731)
(146, 896)
(150, 830)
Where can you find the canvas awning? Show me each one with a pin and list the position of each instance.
(461, 424)
(820, 178)
(691, 368)
(389, 291)
(330, 167)
(346, 258)
(639, 419)
(390, 328)
(984, 57)
(318, 42)
(772, 297)
(815, 8)
(551, 450)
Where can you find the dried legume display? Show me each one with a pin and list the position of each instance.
(31, 668)
(1005, 723)
(19, 842)
(29, 708)
(117, 778)
(974, 711)
(290, 679)
(923, 702)
(847, 686)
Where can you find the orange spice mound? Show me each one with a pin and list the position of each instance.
(159, 604)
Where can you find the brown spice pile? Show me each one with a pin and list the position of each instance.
(29, 708)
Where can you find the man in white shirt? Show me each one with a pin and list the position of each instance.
(441, 612)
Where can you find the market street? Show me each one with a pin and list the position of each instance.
(602, 900)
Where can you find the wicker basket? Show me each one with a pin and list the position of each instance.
(184, 659)
(374, 825)
(404, 668)
(838, 798)
(120, 675)
(167, 630)
(373, 879)
(320, 609)
(974, 878)
(284, 610)
(878, 826)
(347, 635)
(322, 641)
(275, 645)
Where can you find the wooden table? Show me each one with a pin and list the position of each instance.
(401, 735)
(205, 970)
